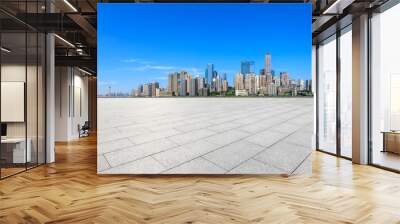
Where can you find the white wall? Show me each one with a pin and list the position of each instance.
(71, 87)
(33, 126)
(17, 73)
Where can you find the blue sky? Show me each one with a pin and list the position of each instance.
(140, 43)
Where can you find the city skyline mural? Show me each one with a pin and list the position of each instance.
(190, 89)
(233, 43)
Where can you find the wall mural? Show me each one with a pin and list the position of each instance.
(204, 88)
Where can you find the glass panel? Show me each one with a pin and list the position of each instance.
(385, 84)
(23, 90)
(32, 89)
(345, 92)
(327, 95)
(41, 98)
(31, 100)
(13, 87)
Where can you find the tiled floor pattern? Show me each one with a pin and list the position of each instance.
(204, 135)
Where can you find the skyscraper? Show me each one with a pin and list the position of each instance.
(182, 87)
(247, 67)
(267, 68)
(155, 87)
(263, 81)
(189, 83)
(170, 83)
(308, 86)
(209, 73)
(251, 84)
(225, 85)
(200, 86)
(150, 86)
(284, 79)
(140, 90)
(301, 84)
(146, 90)
(239, 81)
(269, 78)
(193, 87)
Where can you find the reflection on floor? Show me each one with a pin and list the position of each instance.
(70, 191)
(11, 169)
(5, 172)
(387, 159)
(204, 135)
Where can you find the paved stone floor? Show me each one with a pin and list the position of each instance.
(204, 135)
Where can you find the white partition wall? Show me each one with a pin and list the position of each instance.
(23, 88)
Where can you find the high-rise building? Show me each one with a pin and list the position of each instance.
(268, 67)
(251, 84)
(263, 81)
(225, 85)
(284, 78)
(182, 87)
(200, 82)
(262, 71)
(276, 80)
(301, 84)
(271, 90)
(247, 67)
(268, 78)
(193, 87)
(156, 86)
(308, 85)
(209, 73)
(214, 84)
(146, 90)
(239, 81)
(189, 84)
(150, 86)
(293, 84)
(172, 84)
(273, 72)
(139, 90)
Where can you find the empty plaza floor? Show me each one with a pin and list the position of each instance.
(215, 135)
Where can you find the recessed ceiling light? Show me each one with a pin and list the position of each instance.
(64, 40)
(337, 7)
(5, 50)
(70, 5)
(84, 71)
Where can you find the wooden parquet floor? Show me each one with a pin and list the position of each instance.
(70, 191)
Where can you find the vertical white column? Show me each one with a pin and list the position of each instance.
(360, 90)
(50, 92)
(50, 99)
(313, 86)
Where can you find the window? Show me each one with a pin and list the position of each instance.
(346, 92)
(385, 89)
(327, 95)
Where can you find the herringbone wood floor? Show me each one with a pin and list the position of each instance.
(70, 191)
